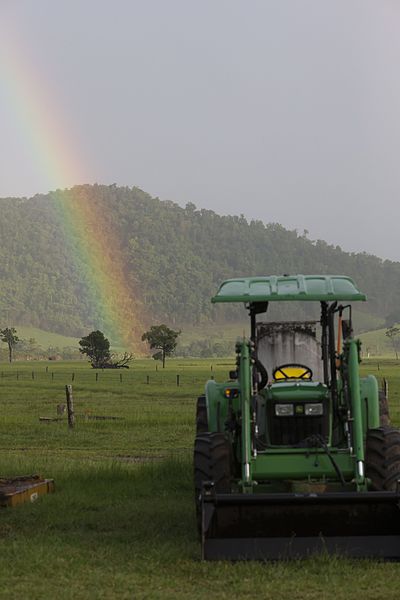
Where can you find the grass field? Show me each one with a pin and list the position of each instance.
(46, 338)
(377, 343)
(121, 523)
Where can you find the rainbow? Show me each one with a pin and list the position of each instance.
(98, 252)
(94, 243)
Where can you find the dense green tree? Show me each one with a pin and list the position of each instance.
(8, 335)
(97, 348)
(162, 338)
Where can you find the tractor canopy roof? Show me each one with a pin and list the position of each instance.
(326, 288)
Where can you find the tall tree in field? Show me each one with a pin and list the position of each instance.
(9, 337)
(97, 348)
(162, 338)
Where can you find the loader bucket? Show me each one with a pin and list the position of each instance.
(252, 526)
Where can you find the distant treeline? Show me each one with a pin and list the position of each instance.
(174, 260)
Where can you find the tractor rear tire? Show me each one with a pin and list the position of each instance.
(212, 462)
(201, 415)
(383, 458)
(383, 409)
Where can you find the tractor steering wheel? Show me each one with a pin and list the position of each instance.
(292, 371)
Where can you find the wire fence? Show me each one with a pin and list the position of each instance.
(106, 376)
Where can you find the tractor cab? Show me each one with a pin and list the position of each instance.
(296, 374)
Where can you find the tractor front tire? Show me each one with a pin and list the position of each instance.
(212, 462)
(383, 458)
(201, 415)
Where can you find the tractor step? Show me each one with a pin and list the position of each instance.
(284, 526)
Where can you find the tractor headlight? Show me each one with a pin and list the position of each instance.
(284, 410)
(314, 410)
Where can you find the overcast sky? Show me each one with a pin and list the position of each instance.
(285, 111)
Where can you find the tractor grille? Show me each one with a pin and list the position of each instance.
(294, 430)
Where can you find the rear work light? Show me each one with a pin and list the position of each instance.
(231, 393)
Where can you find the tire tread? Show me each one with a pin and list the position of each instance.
(383, 457)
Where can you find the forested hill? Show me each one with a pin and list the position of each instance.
(174, 259)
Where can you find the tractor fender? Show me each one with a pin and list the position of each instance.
(217, 404)
(369, 394)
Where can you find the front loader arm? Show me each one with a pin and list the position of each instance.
(351, 353)
(245, 379)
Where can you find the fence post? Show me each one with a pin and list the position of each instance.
(33, 375)
(70, 406)
(97, 376)
(120, 377)
(177, 380)
(386, 388)
(73, 377)
(147, 379)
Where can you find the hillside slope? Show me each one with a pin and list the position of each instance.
(174, 258)
(377, 343)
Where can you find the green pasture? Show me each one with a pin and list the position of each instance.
(121, 523)
(46, 338)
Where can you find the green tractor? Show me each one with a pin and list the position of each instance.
(295, 454)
